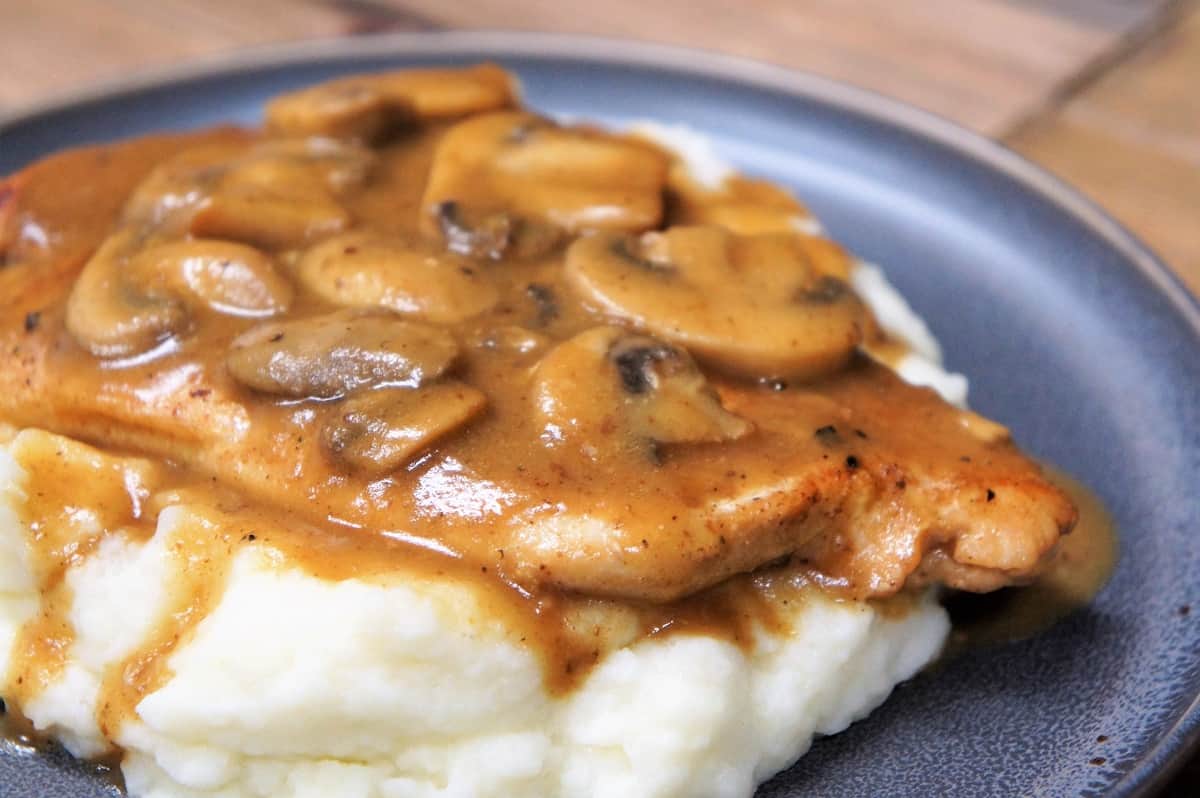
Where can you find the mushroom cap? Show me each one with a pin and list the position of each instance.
(362, 269)
(338, 353)
(379, 431)
(131, 296)
(609, 387)
(368, 107)
(222, 276)
(521, 164)
(110, 316)
(760, 306)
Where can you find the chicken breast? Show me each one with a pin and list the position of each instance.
(873, 482)
(558, 432)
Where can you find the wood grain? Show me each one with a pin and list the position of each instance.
(943, 55)
(49, 46)
(983, 63)
(1131, 140)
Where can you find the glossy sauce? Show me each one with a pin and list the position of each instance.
(1079, 569)
(69, 509)
(257, 475)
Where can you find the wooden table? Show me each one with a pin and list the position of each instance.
(1104, 92)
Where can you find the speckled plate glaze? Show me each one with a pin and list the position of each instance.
(1070, 330)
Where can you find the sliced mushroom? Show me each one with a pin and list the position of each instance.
(364, 269)
(283, 194)
(368, 107)
(518, 165)
(112, 318)
(446, 93)
(764, 306)
(269, 219)
(275, 194)
(339, 164)
(488, 237)
(677, 405)
(494, 235)
(168, 197)
(332, 355)
(739, 204)
(347, 109)
(610, 387)
(701, 189)
(379, 431)
(232, 279)
(127, 299)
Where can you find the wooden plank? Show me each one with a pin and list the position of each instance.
(55, 45)
(1154, 97)
(374, 16)
(1131, 141)
(1155, 195)
(984, 63)
(1114, 15)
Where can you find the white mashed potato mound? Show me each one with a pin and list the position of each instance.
(299, 687)
(922, 365)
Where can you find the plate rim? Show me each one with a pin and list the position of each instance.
(1161, 760)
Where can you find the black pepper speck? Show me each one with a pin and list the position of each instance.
(827, 434)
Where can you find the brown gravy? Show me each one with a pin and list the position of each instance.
(259, 471)
(1078, 571)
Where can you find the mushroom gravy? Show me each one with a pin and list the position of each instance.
(1079, 568)
(410, 331)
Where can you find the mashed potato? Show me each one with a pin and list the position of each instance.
(407, 687)
(296, 686)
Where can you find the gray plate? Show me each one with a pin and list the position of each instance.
(1070, 330)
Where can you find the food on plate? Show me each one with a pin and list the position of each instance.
(419, 445)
